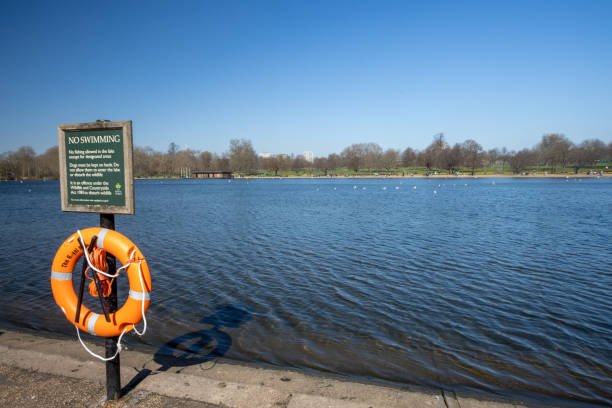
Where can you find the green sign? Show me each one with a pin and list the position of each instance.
(96, 167)
(94, 164)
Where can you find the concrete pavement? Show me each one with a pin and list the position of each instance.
(59, 372)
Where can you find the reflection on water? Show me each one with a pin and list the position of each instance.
(497, 287)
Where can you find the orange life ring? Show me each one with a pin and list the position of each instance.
(125, 252)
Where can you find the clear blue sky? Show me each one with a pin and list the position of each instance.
(309, 75)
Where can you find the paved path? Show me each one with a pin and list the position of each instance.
(59, 372)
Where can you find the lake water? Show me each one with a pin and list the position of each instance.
(495, 286)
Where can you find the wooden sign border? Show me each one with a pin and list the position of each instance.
(126, 126)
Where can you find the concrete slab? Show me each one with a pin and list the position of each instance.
(313, 401)
(215, 392)
(20, 388)
(230, 385)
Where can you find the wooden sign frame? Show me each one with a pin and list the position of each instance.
(88, 167)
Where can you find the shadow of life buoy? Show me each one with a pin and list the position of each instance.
(201, 346)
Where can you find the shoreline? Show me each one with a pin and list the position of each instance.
(232, 384)
(366, 176)
(436, 176)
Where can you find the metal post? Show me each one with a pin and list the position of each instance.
(113, 374)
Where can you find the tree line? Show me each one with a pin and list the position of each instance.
(554, 153)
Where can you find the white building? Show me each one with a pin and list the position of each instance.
(265, 155)
(308, 156)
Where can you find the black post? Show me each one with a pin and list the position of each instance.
(113, 374)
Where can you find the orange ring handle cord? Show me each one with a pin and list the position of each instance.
(137, 303)
(100, 265)
(98, 259)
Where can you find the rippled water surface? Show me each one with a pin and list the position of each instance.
(499, 286)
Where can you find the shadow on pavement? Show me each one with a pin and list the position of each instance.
(196, 347)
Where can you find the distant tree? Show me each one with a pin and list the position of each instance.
(187, 160)
(205, 161)
(435, 154)
(284, 162)
(472, 154)
(372, 156)
(522, 160)
(170, 160)
(390, 159)
(554, 150)
(242, 156)
(588, 153)
(141, 162)
(491, 157)
(439, 141)
(353, 156)
(4, 167)
(320, 163)
(10, 166)
(408, 157)
(504, 155)
(48, 163)
(271, 164)
(451, 158)
(220, 163)
(333, 161)
(20, 164)
(299, 163)
(427, 158)
(26, 158)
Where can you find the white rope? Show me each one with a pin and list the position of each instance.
(91, 265)
(119, 346)
(144, 319)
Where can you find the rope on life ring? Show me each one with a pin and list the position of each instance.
(135, 265)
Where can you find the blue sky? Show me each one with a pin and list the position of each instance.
(311, 75)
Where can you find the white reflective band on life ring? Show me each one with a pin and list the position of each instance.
(91, 324)
(101, 235)
(138, 295)
(61, 275)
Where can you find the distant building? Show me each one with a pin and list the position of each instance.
(265, 155)
(308, 156)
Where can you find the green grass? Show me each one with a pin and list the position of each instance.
(421, 171)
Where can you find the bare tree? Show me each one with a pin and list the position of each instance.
(554, 150)
(427, 158)
(187, 161)
(205, 161)
(372, 156)
(170, 160)
(220, 163)
(408, 157)
(472, 154)
(242, 156)
(333, 161)
(520, 161)
(587, 153)
(299, 163)
(353, 156)
(48, 163)
(272, 164)
(320, 163)
(451, 158)
(390, 160)
(142, 162)
(434, 154)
